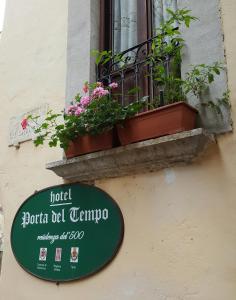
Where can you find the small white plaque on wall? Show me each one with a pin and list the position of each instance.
(16, 133)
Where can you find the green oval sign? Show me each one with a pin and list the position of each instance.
(67, 232)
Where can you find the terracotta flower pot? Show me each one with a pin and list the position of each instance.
(87, 144)
(158, 122)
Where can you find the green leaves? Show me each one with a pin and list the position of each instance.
(210, 77)
(39, 141)
(217, 106)
(181, 16)
(60, 127)
(200, 77)
(168, 41)
(224, 100)
(53, 142)
(78, 98)
(101, 56)
(100, 115)
(134, 91)
(44, 126)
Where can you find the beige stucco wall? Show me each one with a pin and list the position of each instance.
(180, 223)
(1, 230)
(32, 72)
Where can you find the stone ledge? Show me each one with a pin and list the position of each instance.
(146, 156)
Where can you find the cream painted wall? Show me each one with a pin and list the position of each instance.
(180, 223)
(1, 230)
(32, 72)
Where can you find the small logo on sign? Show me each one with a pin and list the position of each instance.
(43, 254)
(58, 254)
(74, 254)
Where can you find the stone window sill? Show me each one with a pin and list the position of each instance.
(146, 156)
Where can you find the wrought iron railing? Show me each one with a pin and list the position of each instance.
(133, 70)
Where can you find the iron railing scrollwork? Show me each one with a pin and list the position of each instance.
(134, 70)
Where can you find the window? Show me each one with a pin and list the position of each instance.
(127, 27)
(127, 24)
(124, 24)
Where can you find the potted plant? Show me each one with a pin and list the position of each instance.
(177, 115)
(169, 119)
(164, 116)
(170, 112)
(87, 124)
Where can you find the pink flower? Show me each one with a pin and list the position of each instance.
(71, 109)
(99, 92)
(79, 111)
(84, 101)
(24, 123)
(85, 88)
(113, 85)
